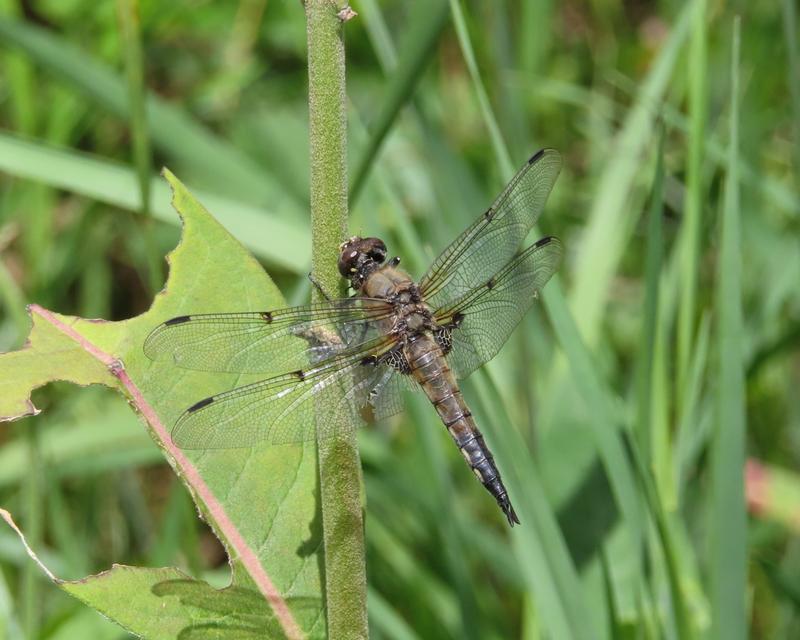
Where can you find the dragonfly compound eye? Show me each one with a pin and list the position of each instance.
(348, 258)
(356, 252)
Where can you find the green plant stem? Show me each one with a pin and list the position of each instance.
(339, 462)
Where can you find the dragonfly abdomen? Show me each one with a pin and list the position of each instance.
(430, 369)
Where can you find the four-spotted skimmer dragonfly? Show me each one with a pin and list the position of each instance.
(335, 357)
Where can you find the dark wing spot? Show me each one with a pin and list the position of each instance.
(370, 360)
(199, 405)
(489, 213)
(543, 241)
(299, 373)
(490, 284)
(266, 316)
(536, 156)
(178, 320)
(458, 318)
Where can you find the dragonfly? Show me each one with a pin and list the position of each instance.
(329, 361)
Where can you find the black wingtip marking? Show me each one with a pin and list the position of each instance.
(177, 320)
(199, 405)
(547, 240)
(536, 156)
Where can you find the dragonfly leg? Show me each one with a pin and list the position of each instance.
(319, 287)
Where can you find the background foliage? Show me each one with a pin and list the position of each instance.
(479, 87)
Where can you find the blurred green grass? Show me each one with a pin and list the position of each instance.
(618, 409)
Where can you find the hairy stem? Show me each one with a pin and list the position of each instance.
(339, 463)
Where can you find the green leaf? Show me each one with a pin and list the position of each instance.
(126, 595)
(187, 609)
(260, 503)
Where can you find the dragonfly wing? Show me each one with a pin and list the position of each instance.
(481, 320)
(387, 396)
(306, 404)
(267, 341)
(493, 239)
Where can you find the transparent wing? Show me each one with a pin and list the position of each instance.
(303, 405)
(491, 241)
(267, 341)
(482, 319)
(388, 395)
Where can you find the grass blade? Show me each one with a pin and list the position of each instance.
(609, 223)
(281, 242)
(134, 70)
(587, 379)
(651, 286)
(417, 54)
(207, 156)
(668, 546)
(728, 542)
(495, 135)
(793, 72)
(34, 503)
(605, 423)
(384, 618)
(539, 545)
(128, 11)
(693, 202)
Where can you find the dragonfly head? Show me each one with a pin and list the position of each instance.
(359, 257)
